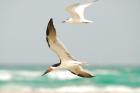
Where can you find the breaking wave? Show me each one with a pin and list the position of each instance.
(62, 75)
(5, 76)
(58, 75)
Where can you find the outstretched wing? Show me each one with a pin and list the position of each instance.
(79, 71)
(81, 8)
(55, 44)
(71, 10)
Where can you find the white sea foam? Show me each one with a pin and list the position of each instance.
(58, 75)
(28, 74)
(5, 75)
(69, 89)
(62, 75)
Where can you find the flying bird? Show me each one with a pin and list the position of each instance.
(76, 12)
(66, 60)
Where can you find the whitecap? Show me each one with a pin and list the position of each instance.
(28, 74)
(5, 75)
(62, 75)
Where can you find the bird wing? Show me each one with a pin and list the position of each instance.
(54, 43)
(71, 10)
(79, 71)
(81, 8)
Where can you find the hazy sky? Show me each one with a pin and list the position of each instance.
(113, 38)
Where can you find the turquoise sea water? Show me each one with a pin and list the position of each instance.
(30, 76)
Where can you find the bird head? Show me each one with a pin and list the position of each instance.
(67, 20)
(64, 21)
(48, 70)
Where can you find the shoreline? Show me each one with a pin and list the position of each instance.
(70, 89)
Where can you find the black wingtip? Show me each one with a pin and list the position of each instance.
(50, 24)
(51, 20)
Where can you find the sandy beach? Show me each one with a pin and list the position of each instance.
(73, 89)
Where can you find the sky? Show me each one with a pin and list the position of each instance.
(112, 39)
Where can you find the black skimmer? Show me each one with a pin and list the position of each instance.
(66, 60)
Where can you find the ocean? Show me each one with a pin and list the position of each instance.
(109, 79)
